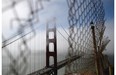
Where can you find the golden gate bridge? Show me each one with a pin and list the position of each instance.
(86, 40)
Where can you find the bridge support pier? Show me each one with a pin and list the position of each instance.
(51, 53)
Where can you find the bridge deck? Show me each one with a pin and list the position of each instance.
(59, 65)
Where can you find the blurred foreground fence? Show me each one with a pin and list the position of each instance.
(22, 17)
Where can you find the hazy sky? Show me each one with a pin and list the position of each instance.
(109, 16)
(58, 9)
(53, 8)
(109, 9)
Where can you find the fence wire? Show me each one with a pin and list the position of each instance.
(18, 65)
(81, 14)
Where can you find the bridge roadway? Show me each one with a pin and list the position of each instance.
(59, 65)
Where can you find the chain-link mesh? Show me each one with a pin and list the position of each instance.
(25, 16)
(81, 14)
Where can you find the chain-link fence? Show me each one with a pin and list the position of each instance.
(22, 16)
(81, 14)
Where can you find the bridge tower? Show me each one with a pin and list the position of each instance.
(53, 54)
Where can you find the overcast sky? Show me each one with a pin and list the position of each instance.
(109, 16)
(58, 9)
